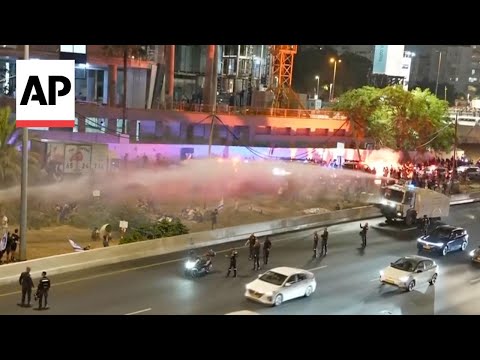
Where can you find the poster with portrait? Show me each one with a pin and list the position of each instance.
(77, 159)
(55, 160)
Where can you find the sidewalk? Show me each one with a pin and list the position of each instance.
(464, 198)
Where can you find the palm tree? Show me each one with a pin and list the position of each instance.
(10, 157)
(127, 52)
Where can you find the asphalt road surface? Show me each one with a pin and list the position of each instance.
(347, 279)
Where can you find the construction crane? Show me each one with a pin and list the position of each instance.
(281, 73)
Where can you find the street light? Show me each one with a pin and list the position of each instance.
(438, 71)
(24, 183)
(318, 84)
(334, 62)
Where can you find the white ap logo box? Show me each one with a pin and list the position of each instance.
(45, 93)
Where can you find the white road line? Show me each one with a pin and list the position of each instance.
(318, 268)
(139, 311)
(376, 279)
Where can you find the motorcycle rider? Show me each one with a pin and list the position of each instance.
(207, 258)
(251, 243)
(363, 234)
(315, 244)
(425, 224)
(256, 255)
(267, 245)
(233, 263)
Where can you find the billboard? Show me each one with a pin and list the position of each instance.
(388, 60)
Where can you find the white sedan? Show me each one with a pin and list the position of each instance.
(410, 271)
(281, 284)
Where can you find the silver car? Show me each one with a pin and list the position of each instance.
(410, 271)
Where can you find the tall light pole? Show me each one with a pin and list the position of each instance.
(24, 182)
(318, 85)
(438, 71)
(334, 62)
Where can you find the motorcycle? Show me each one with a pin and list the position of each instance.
(195, 267)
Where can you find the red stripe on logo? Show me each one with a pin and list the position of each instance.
(45, 123)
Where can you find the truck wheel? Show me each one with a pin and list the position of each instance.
(409, 219)
(389, 220)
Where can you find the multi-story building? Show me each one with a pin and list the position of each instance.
(474, 76)
(449, 64)
(99, 93)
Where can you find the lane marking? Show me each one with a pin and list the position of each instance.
(376, 279)
(139, 311)
(318, 268)
(474, 281)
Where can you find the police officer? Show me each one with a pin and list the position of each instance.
(26, 283)
(256, 255)
(42, 290)
(324, 242)
(425, 224)
(363, 234)
(315, 244)
(251, 243)
(267, 245)
(233, 263)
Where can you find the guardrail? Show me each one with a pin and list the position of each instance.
(9, 273)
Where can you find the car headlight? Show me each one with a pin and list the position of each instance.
(439, 244)
(404, 278)
(189, 265)
(269, 294)
(472, 253)
(381, 272)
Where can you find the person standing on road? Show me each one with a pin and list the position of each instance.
(233, 263)
(250, 243)
(324, 242)
(267, 245)
(14, 244)
(363, 234)
(256, 255)
(42, 291)
(26, 283)
(425, 225)
(315, 244)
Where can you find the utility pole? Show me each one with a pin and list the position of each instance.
(438, 72)
(455, 144)
(24, 182)
(213, 98)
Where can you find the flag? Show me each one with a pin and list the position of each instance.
(3, 242)
(221, 204)
(75, 246)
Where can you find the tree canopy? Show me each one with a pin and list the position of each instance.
(399, 119)
(10, 157)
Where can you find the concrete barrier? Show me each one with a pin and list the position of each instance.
(9, 273)
(104, 256)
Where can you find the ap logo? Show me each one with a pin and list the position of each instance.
(45, 93)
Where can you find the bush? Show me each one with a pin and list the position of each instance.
(154, 230)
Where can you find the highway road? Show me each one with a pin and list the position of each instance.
(347, 279)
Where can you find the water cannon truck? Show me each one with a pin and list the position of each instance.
(409, 203)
